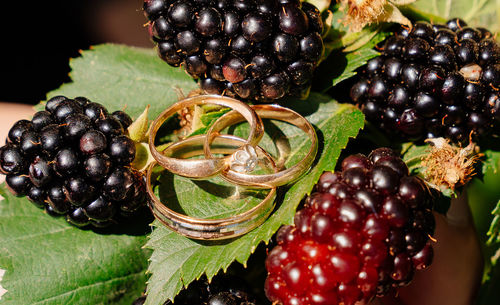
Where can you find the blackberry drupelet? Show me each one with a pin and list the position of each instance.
(252, 49)
(223, 290)
(364, 230)
(440, 81)
(74, 159)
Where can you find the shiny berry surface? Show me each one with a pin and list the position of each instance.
(222, 290)
(362, 231)
(432, 81)
(267, 49)
(74, 159)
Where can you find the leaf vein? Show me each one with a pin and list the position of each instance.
(37, 234)
(73, 291)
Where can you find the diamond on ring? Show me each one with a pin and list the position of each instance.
(244, 160)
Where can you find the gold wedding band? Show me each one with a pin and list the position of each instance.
(240, 158)
(211, 229)
(238, 175)
(203, 168)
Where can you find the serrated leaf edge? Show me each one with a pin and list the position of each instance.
(242, 259)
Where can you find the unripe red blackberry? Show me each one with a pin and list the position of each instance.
(364, 230)
(74, 159)
(266, 49)
(422, 76)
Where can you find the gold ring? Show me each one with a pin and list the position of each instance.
(235, 174)
(203, 168)
(211, 229)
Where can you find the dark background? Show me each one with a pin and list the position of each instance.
(39, 37)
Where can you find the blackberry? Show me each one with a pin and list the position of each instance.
(19, 185)
(223, 290)
(434, 82)
(124, 119)
(364, 230)
(259, 46)
(74, 159)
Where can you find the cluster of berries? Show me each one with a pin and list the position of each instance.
(364, 230)
(226, 290)
(434, 81)
(253, 49)
(74, 159)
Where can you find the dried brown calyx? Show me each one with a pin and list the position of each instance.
(360, 13)
(447, 165)
(189, 116)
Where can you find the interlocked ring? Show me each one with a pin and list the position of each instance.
(211, 229)
(238, 175)
(203, 168)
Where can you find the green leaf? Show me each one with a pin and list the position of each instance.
(47, 260)
(207, 119)
(177, 261)
(412, 155)
(138, 130)
(340, 66)
(354, 60)
(484, 13)
(489, 292)
(494, 231)
(50, 262)
(122, 77)
(491, 161)
(345, 51)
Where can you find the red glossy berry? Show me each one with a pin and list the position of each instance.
(364, 230)
(349, 294)
(287, 234)
(325, 203)
(322, 298)
(345, 266)
(356, 177)
(395, 211)
(423, 258)
(322, 227)
(275, 289)
(374, 252)
(375, 228)
(357, 160)
(346, 240)
(295, 275)
(323, 277)
(326, 180)
(277, 259)
(351, 214)
(368, 280)
(403, 267)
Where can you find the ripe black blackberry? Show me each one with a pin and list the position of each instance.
(440, 81)
(253, 49)
(74, 159)
(364, 230)
(225, 290)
